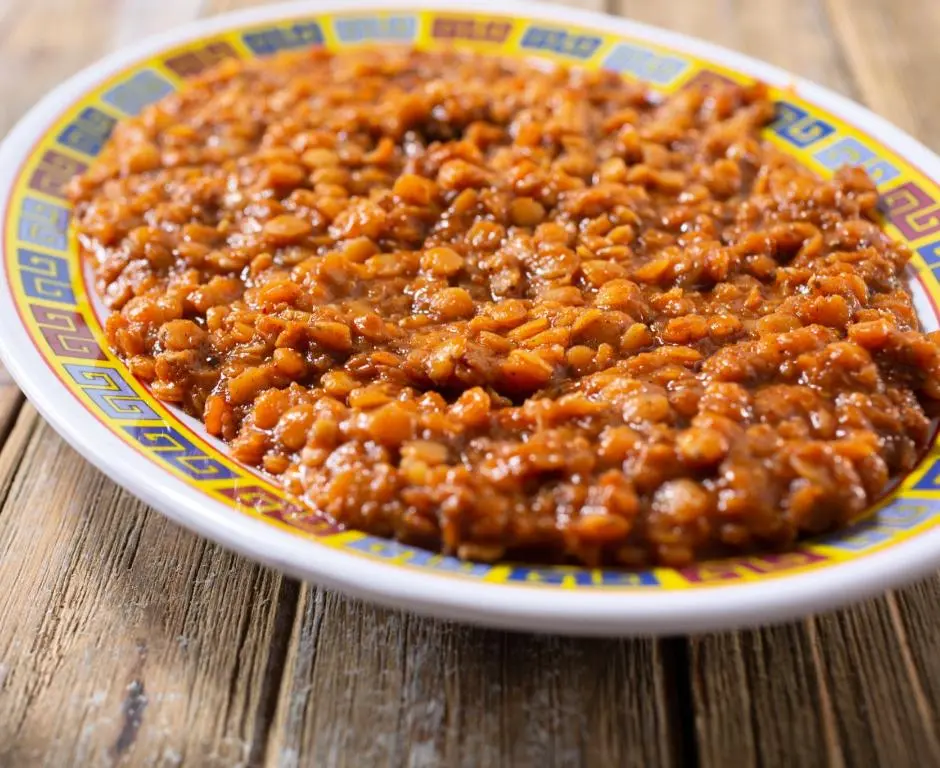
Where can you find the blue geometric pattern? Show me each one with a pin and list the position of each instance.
(108, 390)
(88, 132)
(390, 550)
(356, 30)
(264, 42)
(931, 478)
(138, 91)
(43, 224)
(176, 450)
(45, 276)
(899, 515)
(582, 577)
(644, 64)
(798, 127)
(560, 41)
(849, 151)
(930, 253)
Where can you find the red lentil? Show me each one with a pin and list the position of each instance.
(510, 311)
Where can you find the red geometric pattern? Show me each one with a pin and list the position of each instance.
(264, 502)
(912, 211)
(67, 333)
(449, 28)
(736, 570)
(195, 61)
(53, 173)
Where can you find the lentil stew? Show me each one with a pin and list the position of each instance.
(512, 311)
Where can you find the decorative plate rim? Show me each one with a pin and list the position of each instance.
(619, 609)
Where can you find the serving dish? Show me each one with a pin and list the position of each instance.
(53, 344)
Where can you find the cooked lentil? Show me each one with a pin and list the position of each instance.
(512, 311)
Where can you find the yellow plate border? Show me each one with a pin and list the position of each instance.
(48, 285)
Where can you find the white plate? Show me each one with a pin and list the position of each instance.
(52, 345)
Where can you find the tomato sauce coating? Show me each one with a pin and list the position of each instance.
(511, 311)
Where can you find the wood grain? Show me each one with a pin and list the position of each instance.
(451, 695)
(125, 639)
(754, 692)
(444, 694)
(41, 43)
(893, 57)
(129, 641)
(845, 689)
(881, 712)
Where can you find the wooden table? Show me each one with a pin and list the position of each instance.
(125, 640)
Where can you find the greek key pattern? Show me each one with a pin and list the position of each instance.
(139, 90)
(88, 132)
(113, 396)
(645, 64)
(200, 58)
(914, 212)
(399, 29)
(799, 127)
(392, 550)
(900, 515)
(45, 276)
(67, 333)
(750, 567)
(256, 497)
(561, 41)
(571, 578)
(849, 151)
(48, 288)
(43, 224)
(288, 37)
(180, 452)
(53, 172)
(260, 500)
(494, 31)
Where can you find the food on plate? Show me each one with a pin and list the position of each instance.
(510, 310)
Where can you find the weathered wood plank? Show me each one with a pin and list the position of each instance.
(368, 686)
(125, 639)
(19, 421)
(914, 615)
(758, 701)
(839, 689)
(881, 714)
(11, 400)
(43, 43)
(892, 49)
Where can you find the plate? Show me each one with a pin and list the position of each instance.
(53, 345)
